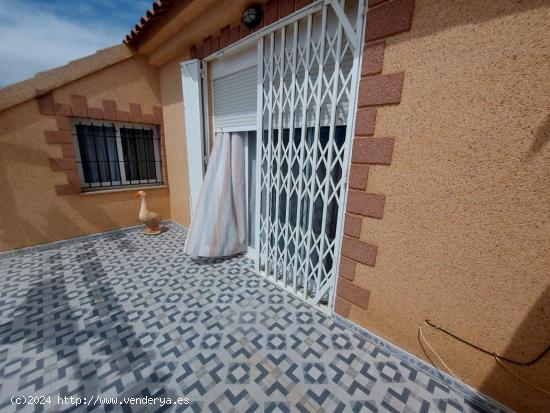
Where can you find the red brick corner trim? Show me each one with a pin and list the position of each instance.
(352, 293)
(78, 108)
(376, 90)
(342, 307)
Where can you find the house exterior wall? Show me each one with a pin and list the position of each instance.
(176, 149)
(218, 35)
(449, 189)
(39, 203)
(447, 216)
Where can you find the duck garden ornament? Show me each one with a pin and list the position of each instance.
(149, 218)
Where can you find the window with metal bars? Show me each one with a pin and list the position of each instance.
(111, 154)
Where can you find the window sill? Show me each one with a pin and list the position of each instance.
(123, 189)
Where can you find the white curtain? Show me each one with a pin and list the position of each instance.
(218, 227)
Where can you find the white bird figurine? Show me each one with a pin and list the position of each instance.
(149, 218)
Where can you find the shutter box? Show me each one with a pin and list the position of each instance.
(234, 91)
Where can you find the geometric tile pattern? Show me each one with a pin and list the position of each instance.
(129, 315)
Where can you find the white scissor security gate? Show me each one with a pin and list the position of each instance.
(307, 88)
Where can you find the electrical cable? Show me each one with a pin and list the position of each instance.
(517, 376)
(498, 359)
(421, 334)
(517, 363)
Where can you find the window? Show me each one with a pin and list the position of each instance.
(116, 154)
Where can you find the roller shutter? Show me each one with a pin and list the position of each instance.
(235, 100)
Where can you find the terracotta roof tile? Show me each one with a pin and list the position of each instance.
(145, 22)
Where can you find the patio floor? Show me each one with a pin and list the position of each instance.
(128, 315)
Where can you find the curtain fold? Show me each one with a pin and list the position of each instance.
(98, 150)
(218, 227)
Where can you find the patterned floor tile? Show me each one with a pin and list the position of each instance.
(127, 315)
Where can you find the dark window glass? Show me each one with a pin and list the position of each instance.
(107, 161)
(310, 208)
(139, 154)
(98, 153)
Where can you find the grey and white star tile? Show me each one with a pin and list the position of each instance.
(124, 314)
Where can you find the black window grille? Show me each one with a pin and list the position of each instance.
(117, 155)
(139, 150)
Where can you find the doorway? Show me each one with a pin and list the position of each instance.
(293, 87)
(309, 71)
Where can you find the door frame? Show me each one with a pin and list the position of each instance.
(192, 81)
(359, 41)
(251, 251)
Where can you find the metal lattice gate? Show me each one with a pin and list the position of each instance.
(308, 80)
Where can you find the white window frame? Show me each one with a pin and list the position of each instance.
(196, 130)
(124, 182)
(251, 249)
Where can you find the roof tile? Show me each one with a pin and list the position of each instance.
(144, 23)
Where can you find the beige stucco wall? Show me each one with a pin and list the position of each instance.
(31, 212)
(167, 46)
(465, 238)
(161, 47)
(51, 79)
(174, 132)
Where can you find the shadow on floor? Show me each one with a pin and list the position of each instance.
(90, 337)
